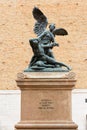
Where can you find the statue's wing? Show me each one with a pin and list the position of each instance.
(41, 19)
(60, 31)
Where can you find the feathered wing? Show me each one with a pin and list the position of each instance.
(41, 19)
(60, 31)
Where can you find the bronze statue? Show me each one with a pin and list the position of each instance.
(43, 59)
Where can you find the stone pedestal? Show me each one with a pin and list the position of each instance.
(46, 101)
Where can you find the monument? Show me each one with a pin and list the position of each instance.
(46, 84)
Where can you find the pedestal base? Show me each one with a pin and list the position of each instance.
(46, 101)
(46, 126)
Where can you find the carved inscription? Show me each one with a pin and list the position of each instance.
(46, 104)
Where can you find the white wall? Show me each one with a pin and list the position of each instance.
(79, 108)
(10, 108)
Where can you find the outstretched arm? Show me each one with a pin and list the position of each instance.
(50, 45)
(42, 36)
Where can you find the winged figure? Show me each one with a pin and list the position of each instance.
(43, 59)
(42, 22)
